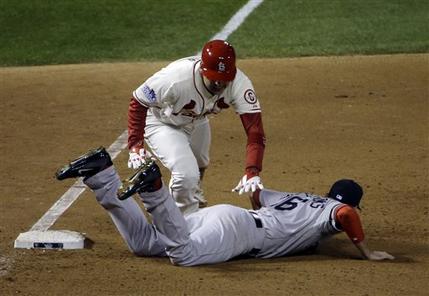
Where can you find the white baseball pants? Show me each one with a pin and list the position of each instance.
(183, 152)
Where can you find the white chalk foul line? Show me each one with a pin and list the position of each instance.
(67, 199)
(70, 196)
(237, 19)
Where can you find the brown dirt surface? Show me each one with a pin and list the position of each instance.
(362, 117)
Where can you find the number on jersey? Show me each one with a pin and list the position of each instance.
(292, 202)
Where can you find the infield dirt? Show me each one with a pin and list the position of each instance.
(362, 117)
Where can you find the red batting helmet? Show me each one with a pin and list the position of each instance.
(218, 61)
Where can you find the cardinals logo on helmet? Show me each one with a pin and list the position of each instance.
(221, 67)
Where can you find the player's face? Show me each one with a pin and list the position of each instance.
(215, 86)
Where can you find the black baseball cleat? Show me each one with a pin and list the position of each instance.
(87, 165)
(146, 179)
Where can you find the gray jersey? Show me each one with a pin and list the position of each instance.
(287, 223)
(294, 222)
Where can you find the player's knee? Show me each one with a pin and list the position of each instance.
(186, 180)
(185, 262)
(140, 250)
(203, 161)
(184, 255)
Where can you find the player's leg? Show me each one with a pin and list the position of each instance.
(200, 145)
(172, 147)
(99, 174)
(211, 235)
(167, 218)
(140, 236)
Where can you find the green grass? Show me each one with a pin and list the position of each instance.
(35, 32)
(335, 27)
(76, 31)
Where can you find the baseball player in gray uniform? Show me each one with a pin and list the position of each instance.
(169, 113)
(281, 223)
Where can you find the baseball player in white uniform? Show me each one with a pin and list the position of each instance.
(280, 223)
(169, 112)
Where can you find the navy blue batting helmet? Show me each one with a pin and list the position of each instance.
(346, 191)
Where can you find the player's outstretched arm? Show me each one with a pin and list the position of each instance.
(136, 125)
(372, 255)
(252, 123)
(350, 222)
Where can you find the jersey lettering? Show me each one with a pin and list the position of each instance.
(318, 202)
(290, 203)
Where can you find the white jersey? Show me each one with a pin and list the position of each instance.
(294, 222)
(177, 96)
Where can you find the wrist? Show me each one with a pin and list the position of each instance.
(135, 149)
(365, 252)
(251, 172)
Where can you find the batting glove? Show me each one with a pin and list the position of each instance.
(138, 157)
(248, 185)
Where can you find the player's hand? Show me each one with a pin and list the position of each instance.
(248, 185)
(380, 255)
(138, 157)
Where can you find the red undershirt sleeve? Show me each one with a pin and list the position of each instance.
(252, 123)
(136, 124)
(350, 222)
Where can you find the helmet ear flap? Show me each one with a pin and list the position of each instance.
(218, 61)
